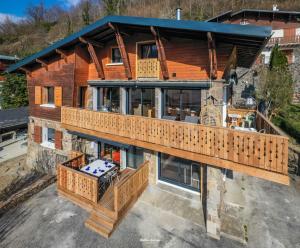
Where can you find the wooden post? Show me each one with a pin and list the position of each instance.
(231, 62)
(212, 56)
(116, 196)
(122, 49)
(161, 52)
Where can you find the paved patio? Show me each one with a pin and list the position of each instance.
(46, 220)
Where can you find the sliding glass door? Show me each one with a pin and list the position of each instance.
(180, 171)
(142, 102)
(182, 103)
(109, 99)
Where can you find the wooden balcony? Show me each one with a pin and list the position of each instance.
(286, 40)
(256, 154)
(148, 68)
(82, 189)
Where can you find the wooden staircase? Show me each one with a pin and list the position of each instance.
(105, 216)
(107, 212)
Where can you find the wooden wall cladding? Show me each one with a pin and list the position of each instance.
(186, 59)
(37, 136)
(60, 74)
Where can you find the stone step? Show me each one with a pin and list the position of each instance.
(98, 228)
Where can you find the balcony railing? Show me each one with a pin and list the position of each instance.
(223, 147)
(294, 39)
(147, 68)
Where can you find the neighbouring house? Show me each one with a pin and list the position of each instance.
(132, 101)
(5, 61)
(13, 125)
(285, 32)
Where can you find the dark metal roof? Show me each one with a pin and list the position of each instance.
(274, 13)
(13, 117)
(251, 35)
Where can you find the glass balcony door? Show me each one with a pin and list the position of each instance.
(182, 103)
(142, 102)
(180, 172)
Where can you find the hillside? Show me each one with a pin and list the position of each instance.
(43, 26)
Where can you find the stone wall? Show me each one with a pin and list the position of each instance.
(248, 79)
(45, 159)
(151, 156)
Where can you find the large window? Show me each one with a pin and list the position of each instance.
(182, 103)
(148, 51)
(180, 171)
(109, 99)
(142, 102)
(116, 55)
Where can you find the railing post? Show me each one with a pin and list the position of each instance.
(116, 200)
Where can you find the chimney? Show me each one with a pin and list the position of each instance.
(275, 7)
(178, 14)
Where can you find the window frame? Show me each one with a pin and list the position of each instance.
(111, 57)
(45, 138)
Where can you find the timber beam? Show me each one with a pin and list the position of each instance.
(161, 52)
(43, 63)
(28, 72)
(122, 49)
(62, 54)
(89, 41)
(91, 49)
(231, 62)
(212, 56)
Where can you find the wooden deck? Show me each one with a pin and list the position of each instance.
(256, 154)
(107, 212)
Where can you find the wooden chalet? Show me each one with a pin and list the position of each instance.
(152, 96)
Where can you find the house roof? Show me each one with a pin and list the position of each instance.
(250, 36)
(283, 14)
(13, 117)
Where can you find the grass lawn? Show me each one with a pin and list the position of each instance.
(289, 121)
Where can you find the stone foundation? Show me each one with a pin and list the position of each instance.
(44, 159)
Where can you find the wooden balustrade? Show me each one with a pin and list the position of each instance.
(147, 68)
(126, 191)
(71, 180)
(266, 126)
(284, 40)
(222, 147)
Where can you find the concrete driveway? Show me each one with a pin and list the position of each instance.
(47, 220)
(272, 214)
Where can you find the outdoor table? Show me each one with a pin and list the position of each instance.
(98, 168)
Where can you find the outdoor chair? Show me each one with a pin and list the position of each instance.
(169, 117)
(192, 119)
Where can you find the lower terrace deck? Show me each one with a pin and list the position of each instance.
(83, 189)
(263, 155)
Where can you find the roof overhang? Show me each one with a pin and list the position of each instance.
(248, 39)
(258, 13)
